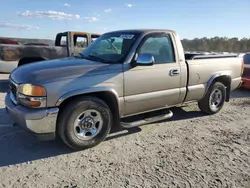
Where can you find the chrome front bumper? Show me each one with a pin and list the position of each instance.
(38, 121)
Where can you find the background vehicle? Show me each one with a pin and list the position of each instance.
(36, 44)
(8, 41)
(246, 73)
(122, 74)
(66, 44)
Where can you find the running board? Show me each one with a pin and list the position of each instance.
(147, 120)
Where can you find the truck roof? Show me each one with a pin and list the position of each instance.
(80, 32)
(142, 31)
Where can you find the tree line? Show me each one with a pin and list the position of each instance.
(217, 44)
(214, 44)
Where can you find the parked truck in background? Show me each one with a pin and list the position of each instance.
(66, 44)
(122, 74)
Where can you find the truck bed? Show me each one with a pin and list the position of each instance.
(201, 71)
(195, 56)
(10, 55)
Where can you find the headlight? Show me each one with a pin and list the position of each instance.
(32, 90)
(32, 95)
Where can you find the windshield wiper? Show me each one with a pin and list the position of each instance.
(92, 57)
(80, 56)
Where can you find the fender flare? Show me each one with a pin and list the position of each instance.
(224, 75)
(89, 91)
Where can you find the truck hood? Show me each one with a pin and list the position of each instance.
(58, 69)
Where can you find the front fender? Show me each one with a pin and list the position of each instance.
(87, 91)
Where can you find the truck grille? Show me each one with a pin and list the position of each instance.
(13, 90)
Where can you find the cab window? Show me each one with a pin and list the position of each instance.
(161, 47)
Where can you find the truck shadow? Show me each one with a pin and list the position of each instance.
(18, 146)
(182, 114)
(240, 93)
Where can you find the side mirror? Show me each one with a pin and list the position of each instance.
(145, 60)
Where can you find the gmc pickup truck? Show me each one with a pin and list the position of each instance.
(80, 98)
(67, 44)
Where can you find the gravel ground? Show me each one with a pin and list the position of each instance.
(190, 150)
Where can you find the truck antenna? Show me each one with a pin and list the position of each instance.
(66, 24)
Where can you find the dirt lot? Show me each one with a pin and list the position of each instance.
(191, 150)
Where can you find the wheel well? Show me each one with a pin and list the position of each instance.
(108, 97)
(226, 81)
(29, 60)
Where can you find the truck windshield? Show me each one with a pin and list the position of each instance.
(110, 47)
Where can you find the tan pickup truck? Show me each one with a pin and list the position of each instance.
(122, 74)
(67, 44)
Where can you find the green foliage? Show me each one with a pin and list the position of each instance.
(217, 44)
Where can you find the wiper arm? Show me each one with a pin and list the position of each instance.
(79, 56)
(91, 57)
(96, 58)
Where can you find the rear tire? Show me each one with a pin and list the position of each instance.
(84, 122)
(214, 99)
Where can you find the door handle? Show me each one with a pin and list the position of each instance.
(174, 72)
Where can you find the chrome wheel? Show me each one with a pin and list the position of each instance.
(88, 124)
(216, 98)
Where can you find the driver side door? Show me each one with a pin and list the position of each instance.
(147, 88)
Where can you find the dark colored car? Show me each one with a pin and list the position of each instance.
(246, 73)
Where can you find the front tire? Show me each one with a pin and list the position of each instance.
(214, 99)
(84, 122)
